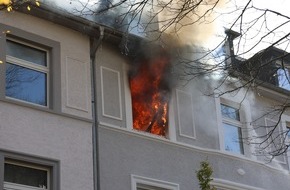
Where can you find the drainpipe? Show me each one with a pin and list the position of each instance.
(94, 45)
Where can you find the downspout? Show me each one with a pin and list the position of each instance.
(94, 45)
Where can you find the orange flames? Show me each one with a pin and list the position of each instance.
(150, 95)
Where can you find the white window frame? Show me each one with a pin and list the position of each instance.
(222, 184)
(53, 48)
(234, 123)
(151, 184)
(170, 134)
(236, 101)
(32, 66)
(52, 166)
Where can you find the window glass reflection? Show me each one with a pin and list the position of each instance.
(26, 53)
(283, 78)
(26, 84)
(230, 112)
(233, 138)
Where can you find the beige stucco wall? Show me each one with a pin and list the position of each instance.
(112, 84)
(75, 60)
(28, 131)
(64, 137)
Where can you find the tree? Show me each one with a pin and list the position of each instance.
(204, 176)
(9, 5)
(259, 29)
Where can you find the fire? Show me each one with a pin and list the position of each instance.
(150, 95)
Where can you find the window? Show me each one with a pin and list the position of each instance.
(18, 175)
(27, 173)
(147, 187)
(221, 184)
(283, 78)
(30, 68)
(232, 129)
(143, 183)
(26, 73)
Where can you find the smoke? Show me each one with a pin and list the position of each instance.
(189, 21)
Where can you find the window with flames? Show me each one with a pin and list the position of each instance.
(150, 93)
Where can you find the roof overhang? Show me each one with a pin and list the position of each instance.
(74, 22)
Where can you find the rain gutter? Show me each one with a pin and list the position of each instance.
(95, 44)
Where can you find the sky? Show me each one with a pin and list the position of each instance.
(227, 14)
(260, 28)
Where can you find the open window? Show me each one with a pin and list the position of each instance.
(150, 92)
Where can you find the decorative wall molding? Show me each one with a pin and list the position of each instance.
(111, 93)
(270, 122)
(186, 127)
(77, 96)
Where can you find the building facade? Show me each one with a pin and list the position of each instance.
(67, 120)
(46, 131)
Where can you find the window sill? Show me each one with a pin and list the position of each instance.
(13, 186)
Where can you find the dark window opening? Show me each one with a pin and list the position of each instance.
(150, 93)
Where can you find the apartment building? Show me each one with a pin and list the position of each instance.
(46, 115)
(70, 113)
